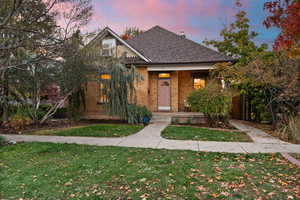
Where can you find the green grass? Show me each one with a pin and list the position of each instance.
(99, 130)
(69, 171)
(203, 134)
(2, 140)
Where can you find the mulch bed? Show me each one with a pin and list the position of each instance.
(222, 127)
(56, 124)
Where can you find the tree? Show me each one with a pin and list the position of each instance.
(238, 42)
(30, 35)
(119, 89)
(279, 76)
(71, 76)
(238, 39)
(285, 15)
(131, 32)
(214, 101)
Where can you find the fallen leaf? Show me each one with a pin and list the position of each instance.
(200, 188)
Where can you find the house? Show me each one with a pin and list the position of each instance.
(172, 67)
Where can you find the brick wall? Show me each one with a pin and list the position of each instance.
(92, 97)
(174, 91)
(92, 94)
(185, 87)
(142, 87)
(181, 87)
(153, 91)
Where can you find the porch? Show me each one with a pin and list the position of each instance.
(179, 117)
(168, 90)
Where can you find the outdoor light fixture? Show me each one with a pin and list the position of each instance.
(164, 75)
(105, 76)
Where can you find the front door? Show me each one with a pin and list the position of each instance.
(164, 94)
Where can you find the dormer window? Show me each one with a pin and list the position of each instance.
(108, 47)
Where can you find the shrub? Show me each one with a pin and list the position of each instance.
(31, 113)
(19, 122)
(213, 102)
(61, 113)
(291, 132)
(2, 141)
(137, 113)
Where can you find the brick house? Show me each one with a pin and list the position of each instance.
(172, 67)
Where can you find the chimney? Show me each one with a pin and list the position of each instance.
(182, 34)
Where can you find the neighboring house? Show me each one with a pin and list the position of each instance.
(172, 66)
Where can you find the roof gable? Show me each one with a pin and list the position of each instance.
(106, 30)
(163, 46)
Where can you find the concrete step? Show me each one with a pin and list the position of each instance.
(161, 118)
(179, 118)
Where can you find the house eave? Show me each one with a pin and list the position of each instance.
(183, 63)
(181, 67)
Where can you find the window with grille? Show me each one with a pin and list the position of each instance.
(102, 97)
(108, 47)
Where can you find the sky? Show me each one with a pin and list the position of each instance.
(199, 19)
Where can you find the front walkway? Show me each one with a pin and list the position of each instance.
(150, 137)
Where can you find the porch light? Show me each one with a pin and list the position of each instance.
(164, 75)
(105, 76)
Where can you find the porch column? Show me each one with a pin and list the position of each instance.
(142, 87)
(174, 92)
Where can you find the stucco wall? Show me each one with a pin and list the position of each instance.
(121, 49)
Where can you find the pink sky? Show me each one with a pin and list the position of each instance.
(199, 19)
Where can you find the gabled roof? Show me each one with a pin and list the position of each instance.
(108, 30)
(163, 46)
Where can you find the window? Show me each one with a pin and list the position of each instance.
(108, 47)
(199, 83)
(102, 96)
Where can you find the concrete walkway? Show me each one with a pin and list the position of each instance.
(150, 137)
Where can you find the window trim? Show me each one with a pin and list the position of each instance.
(200, 78)
(112, 44)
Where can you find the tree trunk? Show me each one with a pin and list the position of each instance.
(273, 111)
(54, 108)
(5, 95)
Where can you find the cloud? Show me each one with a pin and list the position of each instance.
(199, 19)
(175, 15)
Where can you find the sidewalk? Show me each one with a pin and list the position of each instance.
(150, 137)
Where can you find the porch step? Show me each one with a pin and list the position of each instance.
(179, 117)
(161, 118)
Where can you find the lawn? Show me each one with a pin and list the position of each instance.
(99, 130)
(69, 171)
(203, 134)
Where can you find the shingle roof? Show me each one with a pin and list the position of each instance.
(163, 46)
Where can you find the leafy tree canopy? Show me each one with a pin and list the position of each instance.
(238, 39)
(285, 15)
(131, 32)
